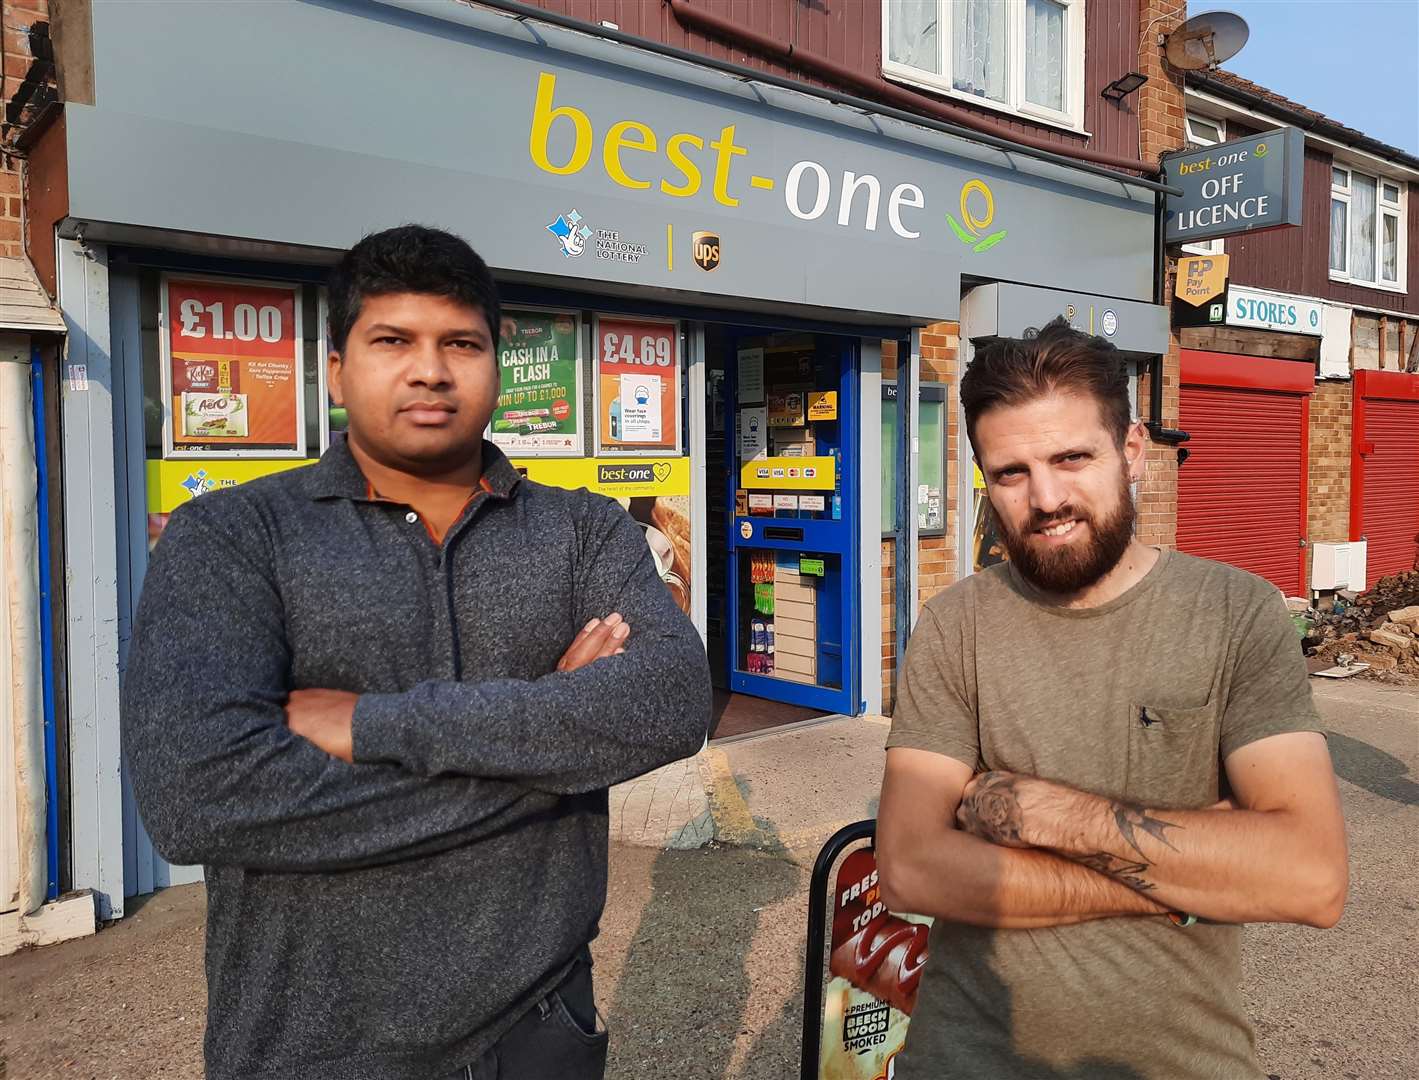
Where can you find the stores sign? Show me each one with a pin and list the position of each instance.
(1236, 187)
(1269, 311)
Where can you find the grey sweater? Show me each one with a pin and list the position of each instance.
(390, 919)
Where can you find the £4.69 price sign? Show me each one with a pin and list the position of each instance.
(232, 369)
(638, 385)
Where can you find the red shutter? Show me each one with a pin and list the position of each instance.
(1241, 492)
(1386, 431)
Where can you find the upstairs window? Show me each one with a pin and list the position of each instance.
(1366, 229)
(1205, 131)
(1019, 56)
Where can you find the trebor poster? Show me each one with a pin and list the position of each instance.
(539, 391)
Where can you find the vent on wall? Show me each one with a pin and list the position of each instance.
(1338, 566)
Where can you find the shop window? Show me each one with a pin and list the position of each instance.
(1205, 131)
(1019, 56)
(931, 462)
(233, 383)
(1366, 229)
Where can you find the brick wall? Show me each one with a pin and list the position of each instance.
(1160, 105)
(18, 59)
(1329, 483)
(936, 555)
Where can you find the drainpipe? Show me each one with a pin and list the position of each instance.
(20, 662)
(46, 624)
(1159, 431)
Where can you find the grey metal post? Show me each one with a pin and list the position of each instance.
(91, 547)
(908, 395)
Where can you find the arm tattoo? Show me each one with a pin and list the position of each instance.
(1126, 871)
(1130, 818)
(992, 811)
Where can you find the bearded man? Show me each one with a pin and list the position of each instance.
(1104, 759)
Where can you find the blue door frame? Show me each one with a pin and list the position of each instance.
(839, 625)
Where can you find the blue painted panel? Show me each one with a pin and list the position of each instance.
(768, 532)
(766, 686)
(835, 539)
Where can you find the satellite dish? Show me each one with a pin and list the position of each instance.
(1205, 40)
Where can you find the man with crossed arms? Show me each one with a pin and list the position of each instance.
(1104, 758)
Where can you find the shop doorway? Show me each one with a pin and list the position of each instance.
(782, 461)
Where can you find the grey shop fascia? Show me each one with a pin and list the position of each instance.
(489, 126)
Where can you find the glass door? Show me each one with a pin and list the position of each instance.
(792, 451)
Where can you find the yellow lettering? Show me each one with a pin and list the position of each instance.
(616, 141)
(543, 115)
(681, 161)
(727, 152)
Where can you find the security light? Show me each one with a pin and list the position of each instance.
(1124, 85)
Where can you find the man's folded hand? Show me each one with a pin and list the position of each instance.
(597, 639)
(326, 718)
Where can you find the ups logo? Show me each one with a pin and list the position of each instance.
(706, 250)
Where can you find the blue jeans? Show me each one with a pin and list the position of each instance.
(560, 1038)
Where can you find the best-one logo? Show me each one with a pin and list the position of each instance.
(633, 155)
(649, 472)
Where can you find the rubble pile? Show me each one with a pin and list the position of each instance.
(1379, 628)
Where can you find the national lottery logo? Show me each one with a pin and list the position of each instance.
(199, 483)
(971, 229)
(570, 233)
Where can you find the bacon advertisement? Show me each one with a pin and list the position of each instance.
(874, 968)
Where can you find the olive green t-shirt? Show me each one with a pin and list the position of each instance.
(1139, 699)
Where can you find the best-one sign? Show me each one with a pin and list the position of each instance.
(1236, 187)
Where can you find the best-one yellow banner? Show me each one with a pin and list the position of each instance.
(617, 477)
(172, 483)
(789, 473)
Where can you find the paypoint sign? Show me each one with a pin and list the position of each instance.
(1236, 187)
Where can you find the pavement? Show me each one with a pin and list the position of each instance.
(699, 963)
(785, 790)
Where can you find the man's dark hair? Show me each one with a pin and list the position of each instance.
(1059, 359)
(410, 259)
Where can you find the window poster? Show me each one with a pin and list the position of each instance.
(637, 385)
(655, 492)
(753, 434)
(538, 411)
(233, 379)
(751, 376)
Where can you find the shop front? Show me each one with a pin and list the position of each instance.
(698, 274)
(1249, 378)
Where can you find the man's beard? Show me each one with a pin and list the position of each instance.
(1072, 568)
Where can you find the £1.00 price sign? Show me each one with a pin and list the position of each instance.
(232, 368)
(638, 385)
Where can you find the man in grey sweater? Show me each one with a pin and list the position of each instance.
(381, 699)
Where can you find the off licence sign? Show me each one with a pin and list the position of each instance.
(1235, 187)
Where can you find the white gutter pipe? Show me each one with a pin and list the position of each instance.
(21, 695)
